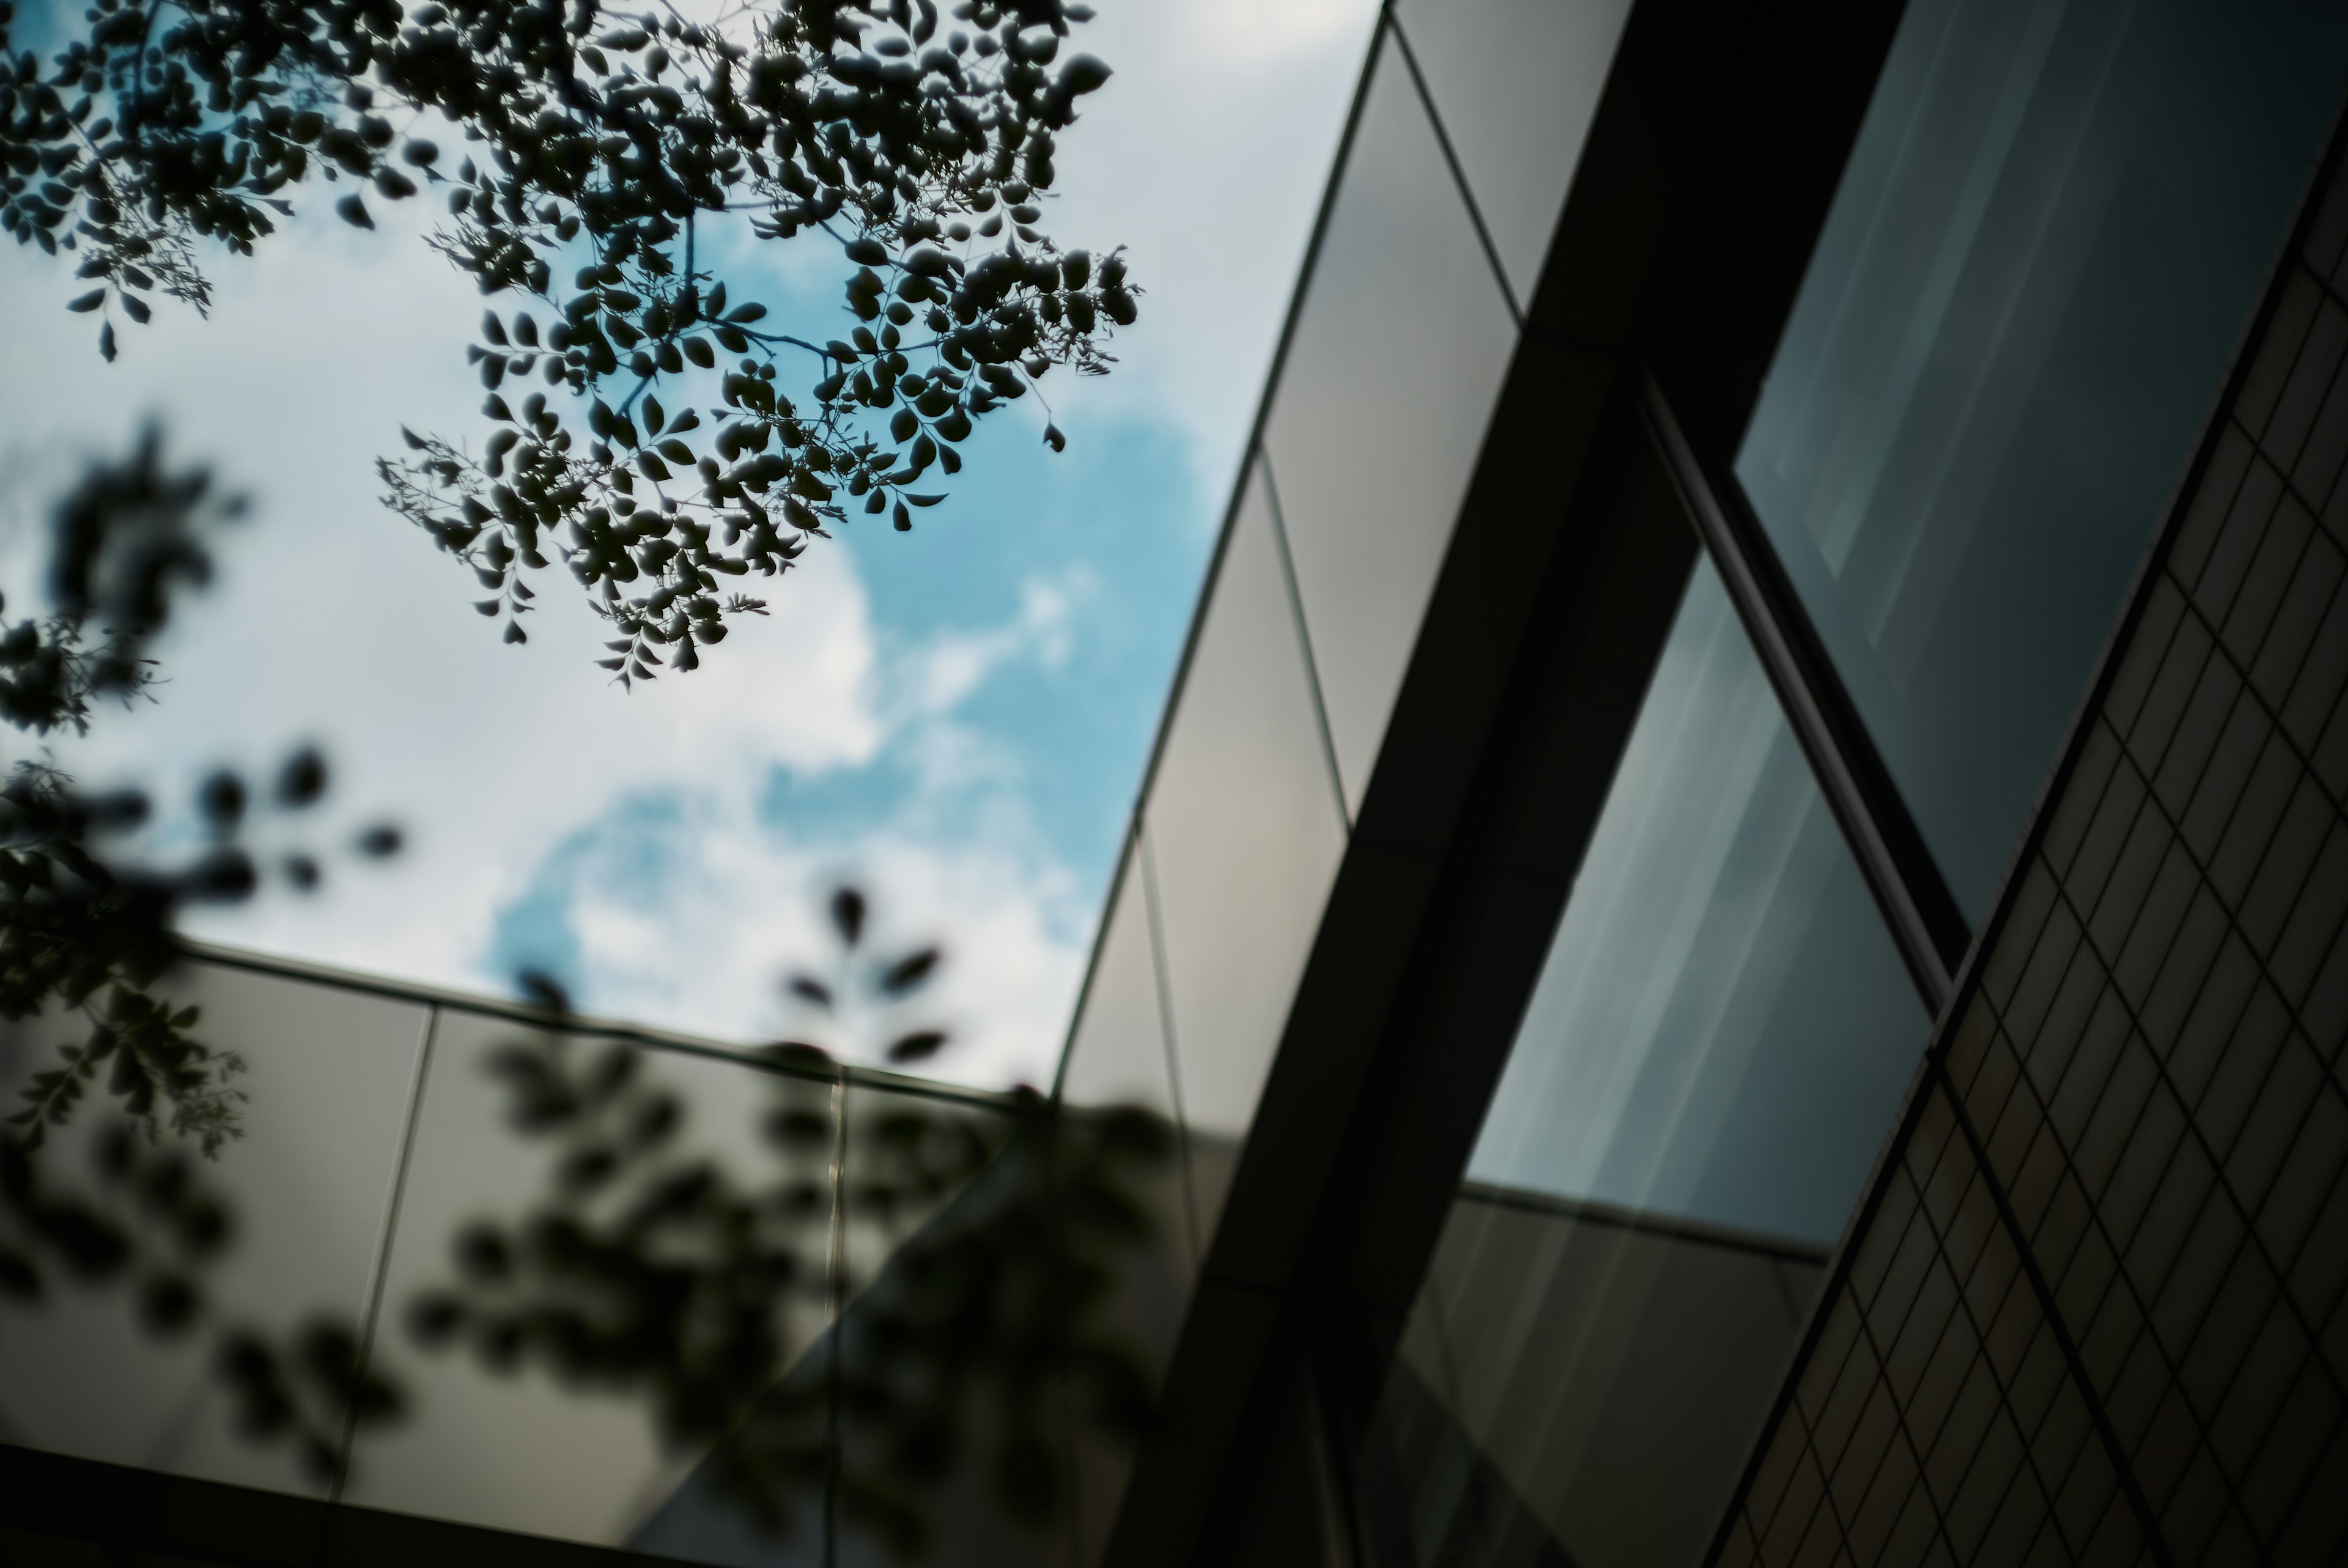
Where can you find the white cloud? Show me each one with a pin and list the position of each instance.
(740, 900)
(940, 673)
(336, 622)
(699, 943)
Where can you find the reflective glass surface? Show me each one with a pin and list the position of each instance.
(1243, 832)
(2049, 239)
(999, 1332)
(1713, 1054)
(1721, 1028)
(1516, 85)
(1116, 1052)
(1569, 1378)
(1117, 1056)
(1381, 407)
(89, 1367)
(945, 1364)
(657, 1297)
(558, 1425)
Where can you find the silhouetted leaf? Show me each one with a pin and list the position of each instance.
(168, 1305)
(222, 800)
(909, 973)
(541, 989)
(847, 914)
(919, 1046)
(303, 780)
(911, 155)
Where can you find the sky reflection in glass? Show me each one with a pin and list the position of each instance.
(1722, 1027)
(2047, 243)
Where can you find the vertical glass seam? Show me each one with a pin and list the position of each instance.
(1212, 574)
(1458, 174)
(1272, 376)
(835, 1292)
(379, 1272)
(1162, 989)
(1304, 641)
(1093, 956)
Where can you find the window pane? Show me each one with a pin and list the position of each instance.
(2053, 229)
(1713, 1054)
(1244, 833)
(1381, 408)
(1516, 85)
(327, 1076)
(1569, 1375)
(1722, 1027)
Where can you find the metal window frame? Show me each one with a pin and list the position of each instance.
(1922, 915)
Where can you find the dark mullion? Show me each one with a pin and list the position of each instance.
(1925, 921)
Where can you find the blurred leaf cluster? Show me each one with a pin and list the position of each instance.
(675, 442)
(86, 930)
(86, 923)
(735, 1300)
(154, 1226)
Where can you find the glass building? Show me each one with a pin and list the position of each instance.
(1739, 918)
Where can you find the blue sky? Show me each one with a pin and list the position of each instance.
(1070, 581)
(958, 716)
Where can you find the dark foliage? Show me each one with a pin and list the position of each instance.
(81, 925)
(607, 144)
(84, 929)
(153, 1227)
(728, 1300)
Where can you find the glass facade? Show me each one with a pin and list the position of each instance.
(519, 1441)
(86, 1366)
(592, 1281)
(1579, 1384)
(1241, 833)
(648, 1294)
(1720, 1034)
(1723, 1027)
(2049, 235)
(1118, 1052)
(1518, 83)
(1118, 1056)
(2054, 226)
(1400, 342)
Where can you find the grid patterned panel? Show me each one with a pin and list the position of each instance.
(2096, 1312)
(1935, 1419)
